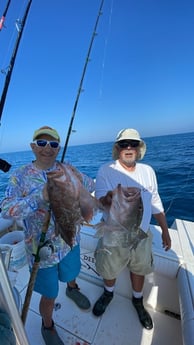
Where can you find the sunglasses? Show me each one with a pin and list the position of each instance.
(126, 143)
(43, 143)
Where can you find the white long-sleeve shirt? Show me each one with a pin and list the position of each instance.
(111, 174)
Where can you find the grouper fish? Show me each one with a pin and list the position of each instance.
(122, 219)
(70, 202)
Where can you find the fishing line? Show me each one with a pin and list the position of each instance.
(13, 32)
(105, 49)
(178, 192)
(81, 82)
(9, 48)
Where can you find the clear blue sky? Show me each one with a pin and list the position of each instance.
(141, 73)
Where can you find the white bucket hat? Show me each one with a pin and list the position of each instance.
(129, 134)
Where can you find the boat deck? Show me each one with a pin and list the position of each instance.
(118, 326)
(168, 296)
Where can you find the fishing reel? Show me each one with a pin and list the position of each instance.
(46, 250)
(4, 165)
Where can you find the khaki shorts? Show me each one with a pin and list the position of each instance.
(110, 261)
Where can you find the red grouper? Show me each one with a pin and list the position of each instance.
(70, 202)
(122, 219)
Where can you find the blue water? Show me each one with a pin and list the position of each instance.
(172, 157)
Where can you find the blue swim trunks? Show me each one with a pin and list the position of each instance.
(47, 279)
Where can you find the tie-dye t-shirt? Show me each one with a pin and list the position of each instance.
(24, 202)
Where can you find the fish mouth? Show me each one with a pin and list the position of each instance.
(131, 193)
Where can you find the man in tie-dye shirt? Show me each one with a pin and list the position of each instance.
(26, 199)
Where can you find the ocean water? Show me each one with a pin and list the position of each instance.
(171, 156)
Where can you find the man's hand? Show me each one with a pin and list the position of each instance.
(161, 219)
(166, 241)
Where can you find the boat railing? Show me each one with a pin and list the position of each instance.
(8, 304)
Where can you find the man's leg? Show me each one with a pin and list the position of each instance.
(69, 269)
(109, 262)
(47, 285)
(46, 307)
(104, 300)
(137, 282)
(73, 292)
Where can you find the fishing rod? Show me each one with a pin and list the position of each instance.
(4, 14)
(20, 27)
(81, 81)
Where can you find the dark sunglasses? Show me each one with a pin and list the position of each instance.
(43, 143)
(126, 143)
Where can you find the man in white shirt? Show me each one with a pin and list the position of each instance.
(127, 150)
